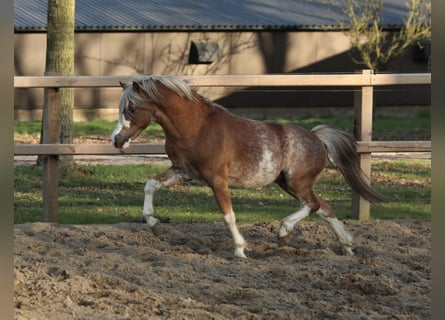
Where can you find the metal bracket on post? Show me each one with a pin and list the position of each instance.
(50, 135)
(363, 107)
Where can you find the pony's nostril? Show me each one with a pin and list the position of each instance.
(120, 143)
(115, 142)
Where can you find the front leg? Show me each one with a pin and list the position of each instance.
(222, 195)
(240, 243)
(165, 179)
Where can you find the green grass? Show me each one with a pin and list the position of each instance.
(417, 127)
(110, 194)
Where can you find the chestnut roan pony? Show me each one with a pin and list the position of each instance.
(205, 141)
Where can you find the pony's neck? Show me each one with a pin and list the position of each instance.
(182, 119)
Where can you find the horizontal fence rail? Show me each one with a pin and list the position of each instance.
(363, 108)
(316, 80)
(146, 148)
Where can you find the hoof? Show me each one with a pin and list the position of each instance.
(348, 251)
(240, 255)
(157, 230)
(283, 232)
(239, 252)
(151, 221)
(283, 235)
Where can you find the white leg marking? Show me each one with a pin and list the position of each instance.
(151, 187)
(148, 211)
(338, 227)
(287, 224)
(240, 243)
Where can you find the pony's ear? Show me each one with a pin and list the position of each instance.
(122, 84)
(137, 87)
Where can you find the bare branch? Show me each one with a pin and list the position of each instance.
(363, 23)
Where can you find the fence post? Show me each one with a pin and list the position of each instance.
(50, 134)
(363, 107)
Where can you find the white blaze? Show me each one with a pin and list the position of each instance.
(121, 123)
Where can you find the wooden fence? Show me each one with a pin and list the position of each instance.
(363, 109)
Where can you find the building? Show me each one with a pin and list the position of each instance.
(206, 37)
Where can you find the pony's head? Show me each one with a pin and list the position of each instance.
(135, 114)
(140, 101)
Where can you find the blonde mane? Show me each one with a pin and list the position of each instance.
(148, 84)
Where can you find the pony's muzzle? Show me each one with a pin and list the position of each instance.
(124, 145)
(119, 142)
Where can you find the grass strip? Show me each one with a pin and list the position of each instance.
(111, 194)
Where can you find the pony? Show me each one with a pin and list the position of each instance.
(205, 141)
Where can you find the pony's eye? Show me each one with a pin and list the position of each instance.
(130, 110)
(131, 107)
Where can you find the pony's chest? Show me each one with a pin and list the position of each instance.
(181, 158)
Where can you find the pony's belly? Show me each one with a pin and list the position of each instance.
(255, 175)
(252, 181)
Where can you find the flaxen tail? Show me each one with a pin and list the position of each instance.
(342, 149)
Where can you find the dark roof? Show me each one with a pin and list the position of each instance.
(174, 15)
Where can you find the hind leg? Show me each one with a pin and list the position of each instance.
(288, 223)
(302, 191)
(326, 214)
(312, 204)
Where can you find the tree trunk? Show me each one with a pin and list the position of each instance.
(60, 59)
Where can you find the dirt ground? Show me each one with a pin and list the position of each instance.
(187, 271)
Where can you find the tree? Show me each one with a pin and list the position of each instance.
(60, 59)
(365, 26)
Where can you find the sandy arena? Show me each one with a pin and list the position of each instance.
(187, 271)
